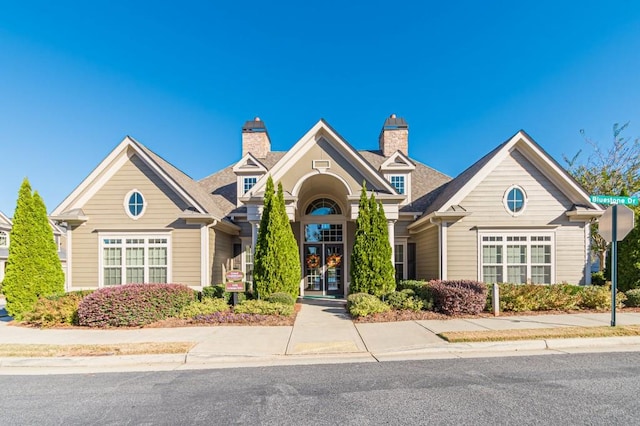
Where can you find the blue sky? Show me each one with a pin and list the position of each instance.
(182, 78)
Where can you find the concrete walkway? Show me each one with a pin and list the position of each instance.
(323, 333)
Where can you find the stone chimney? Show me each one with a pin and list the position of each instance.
(394, 136)
(255, 139)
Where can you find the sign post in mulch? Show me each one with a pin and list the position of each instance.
(234, 284)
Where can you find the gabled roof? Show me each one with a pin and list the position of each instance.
(186, 188)
(397, 161)
(249, 164)
(5, 222)
(452, 194)
(323, 129)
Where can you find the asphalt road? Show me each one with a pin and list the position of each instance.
(554, 389)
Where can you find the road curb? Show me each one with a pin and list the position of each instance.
(94, 361)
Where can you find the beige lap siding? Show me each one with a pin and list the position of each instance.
(545, 211)
(220, 251)
(106, 213)
(427, 261)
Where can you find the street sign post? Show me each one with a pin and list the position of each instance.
(612, 199)
(616, 222)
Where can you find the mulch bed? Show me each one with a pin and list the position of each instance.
(429, 315)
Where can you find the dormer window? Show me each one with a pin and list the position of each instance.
(248, 183)
(398, 182)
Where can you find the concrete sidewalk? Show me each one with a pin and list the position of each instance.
(323, 333)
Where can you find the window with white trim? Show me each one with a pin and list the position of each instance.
(516, 258)
(134, 259)
(4, 239)
(514, 200)
(248, 183)
(399, 262)
(134, 204)
(398, 182)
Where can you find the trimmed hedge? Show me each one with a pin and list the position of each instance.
(219, 291)
(262, 307)
(206, 306)
(633, 297)
(363, 304)
(539, 297)
(404, 300)
(59, 309)
(458, 297)
(280, 297)
(133, 304)
(421, 290)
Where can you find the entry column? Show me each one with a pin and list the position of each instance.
(392, 238)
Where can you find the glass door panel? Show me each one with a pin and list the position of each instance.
(313, 268)
(334, 262)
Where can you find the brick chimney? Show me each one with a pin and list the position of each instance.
(255, 139)
(394, 136)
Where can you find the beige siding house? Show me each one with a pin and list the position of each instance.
(514, 216)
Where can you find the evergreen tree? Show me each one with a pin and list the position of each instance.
(45, 251)
(277, 262)
(383, 269)
(361, 273)
(20, 283)
(371, 265)
(629, 257)
(264, 266)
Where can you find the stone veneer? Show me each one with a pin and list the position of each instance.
(392, 140)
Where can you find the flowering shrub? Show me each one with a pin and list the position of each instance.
(133, 304)
(59, 309)
(458, 297)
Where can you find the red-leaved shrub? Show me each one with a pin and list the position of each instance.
(133, 304)
(458, 297)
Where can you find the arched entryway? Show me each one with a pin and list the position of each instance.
(322, 207)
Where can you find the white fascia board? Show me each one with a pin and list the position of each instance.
(305, 143)
(390, 163)
(238, 168)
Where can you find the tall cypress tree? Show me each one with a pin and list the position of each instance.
(289, 267)
(20, 283)
(361, 272)
(383, 269)
(45, 251)
(264, 263)
(277, 262)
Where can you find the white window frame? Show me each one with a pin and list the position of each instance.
(126, 204)
(403, 244)
(404, 183)
(4, 234)
(528, 234)
(505, 201)
(133, 235)
(407, 184)
(244, 183)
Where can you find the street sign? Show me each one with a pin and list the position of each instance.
(612, 199)
(624, 222)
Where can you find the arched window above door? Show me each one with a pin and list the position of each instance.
(322, 207)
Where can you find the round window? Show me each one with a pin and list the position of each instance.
(514, 200)
(134, 204)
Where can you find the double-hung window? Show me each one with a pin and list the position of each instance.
(129, 259)
(516, 258)
(398, 182)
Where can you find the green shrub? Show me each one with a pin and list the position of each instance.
(404, 300)
(219, 291)
(633, 297)
(363, 304)
(59, 309)
(133, 304)
(262, 307)
(284, 298)
(539, 297)
(598, 278)
(207, 305)
(421, 291)
(599, 297)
